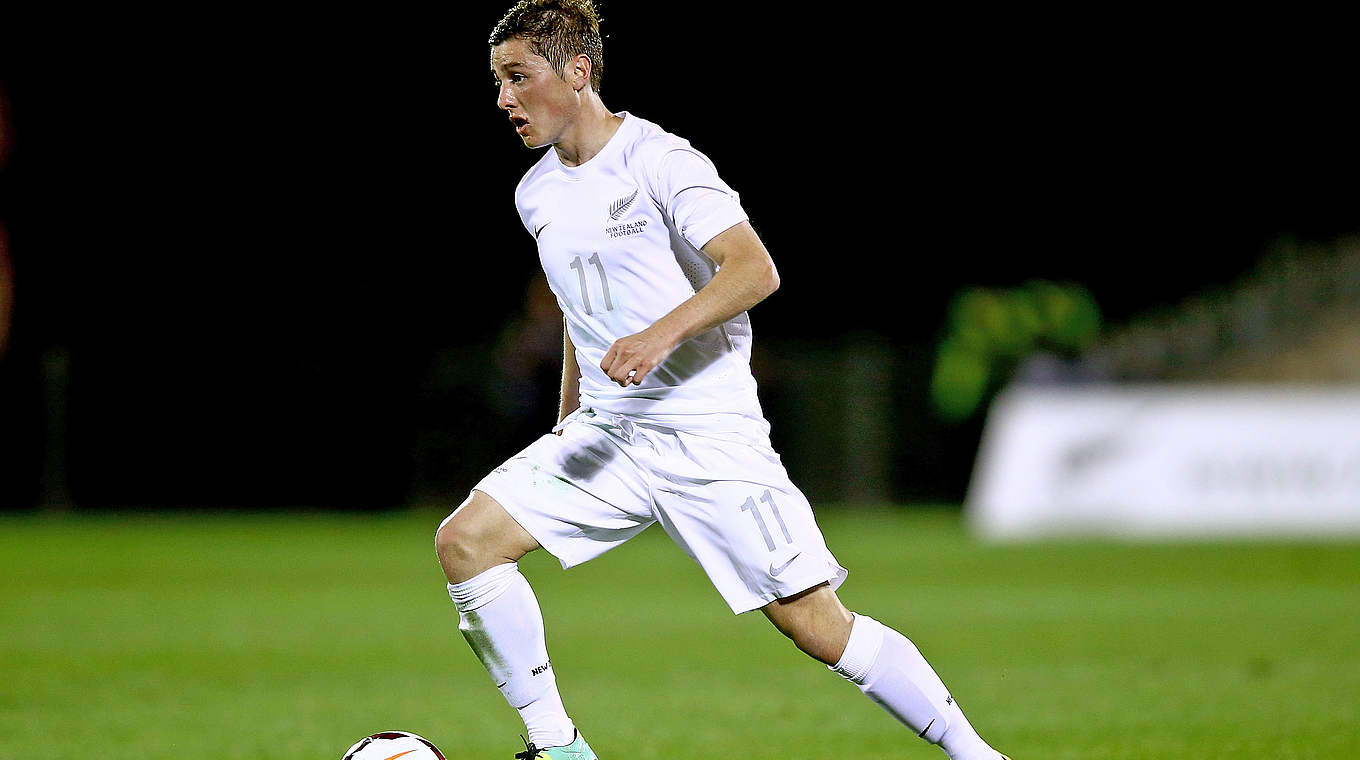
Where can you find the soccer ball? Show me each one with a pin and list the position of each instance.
(390, 745)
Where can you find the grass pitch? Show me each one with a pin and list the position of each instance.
(228, 637)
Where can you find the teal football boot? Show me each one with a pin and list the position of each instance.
(577, 750)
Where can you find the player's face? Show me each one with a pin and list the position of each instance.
(540, 103)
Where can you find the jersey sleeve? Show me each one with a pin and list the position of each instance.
(698, 202)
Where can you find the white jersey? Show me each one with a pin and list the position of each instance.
(619, 238)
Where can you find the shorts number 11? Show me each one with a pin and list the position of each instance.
(750, 506)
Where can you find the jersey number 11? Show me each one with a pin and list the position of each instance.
(604, 281)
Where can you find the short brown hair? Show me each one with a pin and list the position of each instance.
(557, 30)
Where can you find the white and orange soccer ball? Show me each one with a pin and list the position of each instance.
(390, 745)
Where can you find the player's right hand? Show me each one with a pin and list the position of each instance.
(631, 357)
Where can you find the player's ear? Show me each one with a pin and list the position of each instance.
(578, 72)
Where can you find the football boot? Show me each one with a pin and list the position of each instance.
(577, 750)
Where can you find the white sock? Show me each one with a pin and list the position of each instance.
(890, 670)
(499, 616)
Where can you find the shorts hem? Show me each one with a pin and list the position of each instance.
(756, 601)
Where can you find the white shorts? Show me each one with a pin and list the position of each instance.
(727, 501)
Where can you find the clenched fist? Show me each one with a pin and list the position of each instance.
(631, 357)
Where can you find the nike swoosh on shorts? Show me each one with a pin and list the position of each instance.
(775, 571)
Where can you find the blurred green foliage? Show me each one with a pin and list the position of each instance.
(990, 331)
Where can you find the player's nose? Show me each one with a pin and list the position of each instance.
(504, 99)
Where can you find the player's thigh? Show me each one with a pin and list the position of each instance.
(479, 535)
(578, 494)
(748, 526)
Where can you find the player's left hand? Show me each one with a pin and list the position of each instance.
(633, 356)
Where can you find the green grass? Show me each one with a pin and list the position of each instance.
(291, 636)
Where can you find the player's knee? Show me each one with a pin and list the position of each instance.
(477, 536)
(804, 635)
(812, 642)
(822, 646)
(815, 622)
(800, 637)
(458, 547)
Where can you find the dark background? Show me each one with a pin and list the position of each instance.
(276, 247)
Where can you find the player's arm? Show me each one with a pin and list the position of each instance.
(746, 276)
(571, 377)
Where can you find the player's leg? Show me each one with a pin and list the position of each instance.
(733, 509)
(883, 663)
(479, 546)
(576, 495)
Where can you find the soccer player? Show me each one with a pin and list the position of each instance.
(654, 265)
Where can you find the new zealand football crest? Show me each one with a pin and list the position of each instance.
(618, 210)
(621, 206)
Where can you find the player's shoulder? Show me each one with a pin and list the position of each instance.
(661, 154)
(650, 142)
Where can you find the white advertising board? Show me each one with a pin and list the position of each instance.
(1169, 460)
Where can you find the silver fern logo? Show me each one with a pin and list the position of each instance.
(621, 206)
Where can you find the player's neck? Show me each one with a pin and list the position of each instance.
(588, 134)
